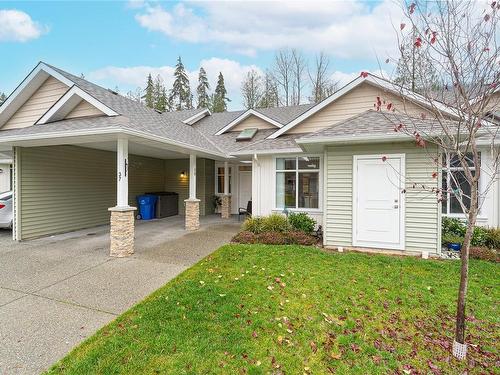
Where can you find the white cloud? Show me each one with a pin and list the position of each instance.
(131, 77)
(344, 29)
(17, 26)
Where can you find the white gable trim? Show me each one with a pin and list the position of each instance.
(419, 99)
(197, 117)
(68, 102)
(244, 116)
(27, 88)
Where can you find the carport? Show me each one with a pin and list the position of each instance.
(68, 181)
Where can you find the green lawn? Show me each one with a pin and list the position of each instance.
(290, 309)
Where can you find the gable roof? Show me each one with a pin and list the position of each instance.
(373, 80)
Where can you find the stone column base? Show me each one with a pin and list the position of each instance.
(192, 214)
(226, 207)
(122, 231)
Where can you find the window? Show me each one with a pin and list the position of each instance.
(220, 180)
(297, 182)
(454, 177)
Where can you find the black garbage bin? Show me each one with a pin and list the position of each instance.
(167, 203)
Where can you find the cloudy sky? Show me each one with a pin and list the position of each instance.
(118, 43)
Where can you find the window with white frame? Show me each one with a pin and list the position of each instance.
(297, 182)
(219, 182)
(454, 179)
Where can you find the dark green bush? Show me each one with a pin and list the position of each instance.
(451, 238)
(493, 238)
(245, 237)
(452, 226)
(301, 221)
(275, 223)
(479, 236)
(253, 224)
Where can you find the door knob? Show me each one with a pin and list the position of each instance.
(396, 206)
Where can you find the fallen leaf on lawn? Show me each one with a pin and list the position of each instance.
(254, 334)
(219, 276)
(236, 278)
(303, 295)
(314, 347)
(202, 282)
(376, 359)
(270, 287)
(222, 295)
(277, 279)
(282, 285)
(334, 355)
(280, 340)
(289, 331)
(258, 363)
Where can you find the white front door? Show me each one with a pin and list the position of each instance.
(245, 188)
(378, 201)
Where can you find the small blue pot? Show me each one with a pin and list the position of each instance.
(454, 246)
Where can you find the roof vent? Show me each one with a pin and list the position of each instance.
(112, 92)
(247, 134)
(158, 111)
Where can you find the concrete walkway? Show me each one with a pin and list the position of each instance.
(56, 291)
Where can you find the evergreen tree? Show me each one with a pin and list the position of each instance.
(181, 92)
(202, 89)
(219, 102)
(159, 95)
(148, 96)
(3, 97)
(269, 97)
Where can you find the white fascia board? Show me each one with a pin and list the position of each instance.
(379, 138)
(267, 152)
(197, 117)
(245, 115)
(27, 87)
(69, 101)
(374, 81)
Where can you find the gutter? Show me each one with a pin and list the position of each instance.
(267, 152)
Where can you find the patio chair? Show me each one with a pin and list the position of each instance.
(245, 211)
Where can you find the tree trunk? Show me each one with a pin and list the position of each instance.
(459, 346)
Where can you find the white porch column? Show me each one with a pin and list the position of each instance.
(226, 198)
(122, 173)
(122, 230)
(192, 203)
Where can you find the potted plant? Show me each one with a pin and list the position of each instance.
(453, 242)
(217, 202)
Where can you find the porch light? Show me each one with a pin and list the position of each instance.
(183, 174)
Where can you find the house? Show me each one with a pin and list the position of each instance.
(82, 153)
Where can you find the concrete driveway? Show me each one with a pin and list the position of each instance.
(56, 291)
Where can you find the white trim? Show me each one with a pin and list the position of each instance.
(325, 193)
(62, 109)
(197, 117)
(268, 152)
(244, 116)
(10, 102)
(389, 137)
(122, 173)
(192, 176)
(402, 202)
(320, 208)
(16, 220)
(381, 83)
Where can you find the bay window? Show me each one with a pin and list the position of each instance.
(454, 179)
(297, 182)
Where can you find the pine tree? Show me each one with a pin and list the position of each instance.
(219, 102)
(202, 89)
(148, 96)
(159, 95)
(3, 97)
(181, 92)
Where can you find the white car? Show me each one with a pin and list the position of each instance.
(6, 209)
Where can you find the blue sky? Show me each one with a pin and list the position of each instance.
(117, 43)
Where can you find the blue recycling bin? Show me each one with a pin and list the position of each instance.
(147, 204)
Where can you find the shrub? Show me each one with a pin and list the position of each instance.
(483, 253)
(301, 238)
(245, 237)
(493, 238)
(479, 236)
(301, 221)
(275, 223)
(453, 226)
(451, 238)
(273, 238)
(253, 224)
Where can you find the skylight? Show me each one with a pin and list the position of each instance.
(246, 134)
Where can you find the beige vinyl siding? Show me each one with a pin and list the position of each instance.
(422, 208)
(31, 111)
(84, 109)
(356, 101)
(65, 188)
(253, 122)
